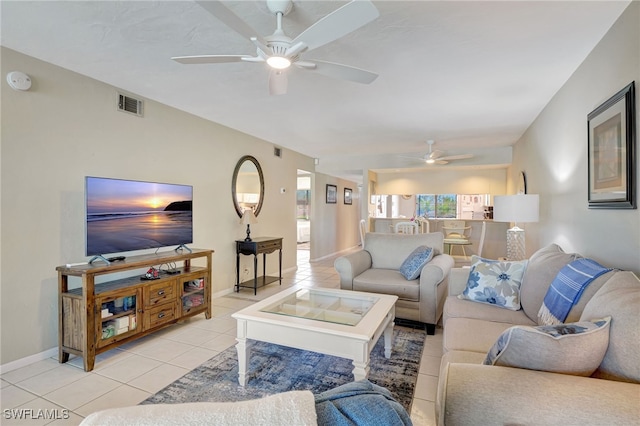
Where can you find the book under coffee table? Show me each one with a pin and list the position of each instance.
(335, 322)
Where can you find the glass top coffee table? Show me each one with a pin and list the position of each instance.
(334, 322)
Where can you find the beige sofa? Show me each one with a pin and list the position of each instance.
(470, 393)
(375, 269)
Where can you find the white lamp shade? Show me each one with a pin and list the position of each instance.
(248, 218)
(516, 208)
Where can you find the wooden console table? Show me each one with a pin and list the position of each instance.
(254, 247)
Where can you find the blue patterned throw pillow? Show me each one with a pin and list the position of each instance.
(576, 348)
(495, 282)
(413, 264)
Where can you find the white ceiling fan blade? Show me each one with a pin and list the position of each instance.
(456, 157)
(210, 59)
(440, 162)
(295, 49)
(263, 47)
(417, 159)
(338, 23)
(278, 82)
(230, 19)
(435, 154)
(340, 71)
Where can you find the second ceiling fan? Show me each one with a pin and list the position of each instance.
(280, 51)
(438, 157)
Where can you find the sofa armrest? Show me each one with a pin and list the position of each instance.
(503, 395)
(458, 280)
(350, 266)
(434, 282)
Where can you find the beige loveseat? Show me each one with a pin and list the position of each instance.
(470, 393)
(375, 269)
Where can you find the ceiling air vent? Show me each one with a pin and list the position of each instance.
(129, 104)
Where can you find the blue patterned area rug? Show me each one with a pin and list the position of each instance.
(274, 369)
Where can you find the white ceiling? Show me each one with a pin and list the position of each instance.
(472, 75)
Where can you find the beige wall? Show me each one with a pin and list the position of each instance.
(443, 181)
(67, 127)
(553, 154)
(334, 227)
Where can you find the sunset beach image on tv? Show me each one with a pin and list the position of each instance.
(126, 215)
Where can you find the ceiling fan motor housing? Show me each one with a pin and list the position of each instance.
(280, 6)
(279, 43)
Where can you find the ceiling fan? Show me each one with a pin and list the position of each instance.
(280, 51)
(438, 157)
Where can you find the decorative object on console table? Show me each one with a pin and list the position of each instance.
(611, 152)
(248, 218)
(516, 208)
(254, 247)
(332, 194)
(348, 196)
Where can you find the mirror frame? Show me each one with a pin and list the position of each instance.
(235, 180)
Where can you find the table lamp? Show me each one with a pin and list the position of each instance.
(248, 218)
(516, 208)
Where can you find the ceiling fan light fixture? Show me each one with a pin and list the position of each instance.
(430, 161)
(278, 62)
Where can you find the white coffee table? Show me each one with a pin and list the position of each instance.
(335, 322)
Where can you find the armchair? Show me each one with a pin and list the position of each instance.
(376, 269)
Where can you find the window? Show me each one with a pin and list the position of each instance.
(443, 206)
(303, 202)
(431, 206)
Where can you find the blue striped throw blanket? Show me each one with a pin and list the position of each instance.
(566, 289)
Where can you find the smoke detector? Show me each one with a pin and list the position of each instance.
(18, 80)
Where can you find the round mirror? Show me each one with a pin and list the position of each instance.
(247, 186)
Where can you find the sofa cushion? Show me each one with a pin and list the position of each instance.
(576, 348)
(620, 298)
(542, 268)
(413, 264)
(387, 281)
(459, 308)
(464, 357)
(388, 251)
(489, 395)
(495, 282)
(474, 335)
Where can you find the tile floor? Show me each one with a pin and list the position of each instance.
(129, 374)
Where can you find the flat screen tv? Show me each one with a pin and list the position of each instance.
(127, 215)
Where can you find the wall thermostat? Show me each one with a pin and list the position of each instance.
(19, 80)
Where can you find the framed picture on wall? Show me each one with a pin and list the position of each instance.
(348, 194)
(332, 194)
(611, 152)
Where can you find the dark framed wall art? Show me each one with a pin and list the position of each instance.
(332, 194)
(611, 152)
(348, 196)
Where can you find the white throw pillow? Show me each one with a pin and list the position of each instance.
(575, 348)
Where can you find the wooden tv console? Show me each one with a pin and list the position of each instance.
(100, 316)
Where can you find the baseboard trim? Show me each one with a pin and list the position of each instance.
(231, 289)
(319, 259)
(23, 362)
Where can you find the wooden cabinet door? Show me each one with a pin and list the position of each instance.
(122, 315)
